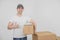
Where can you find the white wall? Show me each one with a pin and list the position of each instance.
(45, 12)
(48, 15)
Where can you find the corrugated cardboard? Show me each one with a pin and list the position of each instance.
(58, 37)
(44, 36)
(28, 29)
(34, 37)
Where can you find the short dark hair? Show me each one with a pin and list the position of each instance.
(19, 6)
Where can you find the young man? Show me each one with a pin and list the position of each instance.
(17, 23)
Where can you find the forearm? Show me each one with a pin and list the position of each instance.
(12, 26)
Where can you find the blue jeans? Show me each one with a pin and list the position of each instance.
(24, 38)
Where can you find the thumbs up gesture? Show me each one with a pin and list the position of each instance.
(16, 25)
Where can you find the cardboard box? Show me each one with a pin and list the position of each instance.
(58, 37)
(44, 36)
(28, 29)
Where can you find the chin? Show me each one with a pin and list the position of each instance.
(20, 12)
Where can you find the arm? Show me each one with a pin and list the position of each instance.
(33, 23)
(12, 26)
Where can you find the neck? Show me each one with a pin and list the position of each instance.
(18, 14)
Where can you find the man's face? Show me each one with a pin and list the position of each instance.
(20, 10)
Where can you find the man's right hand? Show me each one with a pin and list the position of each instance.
(12, 25)
(16, 25)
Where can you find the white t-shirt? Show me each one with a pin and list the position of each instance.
(18, 33)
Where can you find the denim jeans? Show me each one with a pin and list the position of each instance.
(24, 38)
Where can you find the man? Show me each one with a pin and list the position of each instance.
(17, 23)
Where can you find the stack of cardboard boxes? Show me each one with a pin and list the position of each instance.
(29, 29)
(43, 36)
